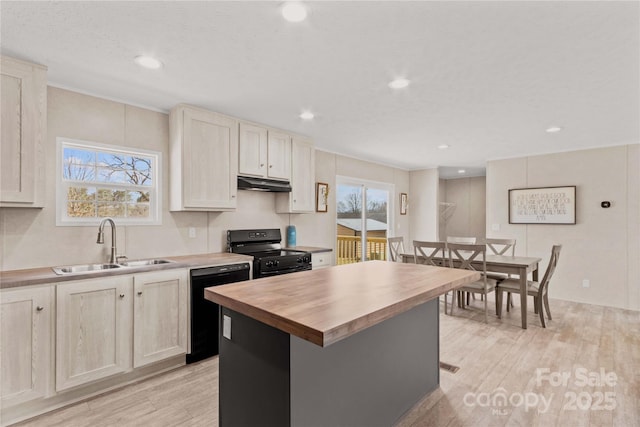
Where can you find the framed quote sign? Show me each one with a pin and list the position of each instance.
(547, 205)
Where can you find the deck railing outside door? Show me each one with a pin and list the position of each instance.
(349, 249)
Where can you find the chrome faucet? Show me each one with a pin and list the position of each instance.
(113, 257)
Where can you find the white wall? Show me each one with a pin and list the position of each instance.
(30, 238)
(604, 245)
(423, 205)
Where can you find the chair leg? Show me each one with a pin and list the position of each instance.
(453, 301)
(546, 306)
(509, 302)
(445, 302)
(486, 315)
(468, 295)
(535, 305)
(499, 303)
(538, 305)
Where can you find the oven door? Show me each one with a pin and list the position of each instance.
(283, 271)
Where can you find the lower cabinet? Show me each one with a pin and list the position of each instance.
(25, 344)
(159, 316)
(93, 328)
(321, 260)
(112, 325)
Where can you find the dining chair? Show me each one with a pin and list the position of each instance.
(539, 291)
(431, 253)
(462, 256)
(506, 247)
(396, 247)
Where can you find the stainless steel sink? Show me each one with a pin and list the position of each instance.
(91, 268)
(84, 268)
(145, 262)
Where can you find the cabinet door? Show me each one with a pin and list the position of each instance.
(23, 91)
(210, 162)
(279, 155)
(253, 150)
(321, 260)
(303, 176)
(159, 316)
(25, 348)
(93, 326)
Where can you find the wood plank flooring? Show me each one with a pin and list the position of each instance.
(495, 359)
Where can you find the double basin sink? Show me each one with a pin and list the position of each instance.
(89, 268)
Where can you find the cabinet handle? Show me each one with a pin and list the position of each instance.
(270, 166)
(139, 292)
(261, 165)
(233, 196)
(39, 308)
(121, 295)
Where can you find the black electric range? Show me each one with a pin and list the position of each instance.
(265, 246)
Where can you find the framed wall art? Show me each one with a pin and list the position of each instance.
(545, 205)
(403, 203)
(322, 193)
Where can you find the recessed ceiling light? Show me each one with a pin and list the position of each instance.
(461, 171)
(443, 146)
(148, 62)
(307, 115)
(399, 83)
(554, 129)
(294, 12)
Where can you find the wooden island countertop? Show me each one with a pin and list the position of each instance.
(327, 305)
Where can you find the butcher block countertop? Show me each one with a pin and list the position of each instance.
(327, 305)
(43, 275)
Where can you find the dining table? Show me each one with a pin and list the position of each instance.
(512, 265)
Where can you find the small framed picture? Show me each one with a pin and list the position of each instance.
(403, 203)
(322, 193)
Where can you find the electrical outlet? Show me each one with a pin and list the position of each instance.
(585, 283)
(192, 232)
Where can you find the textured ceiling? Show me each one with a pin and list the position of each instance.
(487, 78)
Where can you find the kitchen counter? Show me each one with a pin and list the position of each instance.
(311, 249)
(43, 275)
(354, 344)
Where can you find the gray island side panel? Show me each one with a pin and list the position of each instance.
(369, 379)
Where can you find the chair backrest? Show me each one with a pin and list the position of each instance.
(426, 252)
(461, 255)
(505, 247)
(551, 268)
(464, 240)
(396, 247)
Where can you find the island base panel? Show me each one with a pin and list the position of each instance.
(371, 378)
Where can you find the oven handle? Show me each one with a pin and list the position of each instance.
(288, 270)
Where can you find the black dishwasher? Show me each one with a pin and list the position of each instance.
(204, 313)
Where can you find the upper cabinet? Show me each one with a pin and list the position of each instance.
(23, 91)
(264, 153)
(302, 196)
(203, 160)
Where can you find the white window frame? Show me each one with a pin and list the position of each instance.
(155, 204)
(364, 184)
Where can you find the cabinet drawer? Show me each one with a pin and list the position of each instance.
(321, 260)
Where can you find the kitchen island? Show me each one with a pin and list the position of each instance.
(350, 345)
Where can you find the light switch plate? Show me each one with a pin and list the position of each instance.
(226, 327)
(192, 232)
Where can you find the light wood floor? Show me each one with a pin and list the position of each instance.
(494, 359)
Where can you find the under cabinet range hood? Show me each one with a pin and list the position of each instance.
(263, 184)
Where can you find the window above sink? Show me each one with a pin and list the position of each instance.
(97, 180)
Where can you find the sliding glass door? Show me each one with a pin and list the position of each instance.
(363, 219)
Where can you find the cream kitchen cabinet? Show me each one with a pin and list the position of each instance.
(93, 330)
(23, 91)
(302, 196)
(321, 260)
(264, 152)
(203, 163)
(159, 315)
(26, 325)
